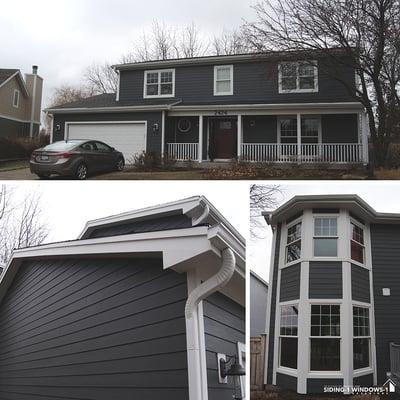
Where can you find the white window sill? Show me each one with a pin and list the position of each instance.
(287, 371)
(363, 371)
(282, 91)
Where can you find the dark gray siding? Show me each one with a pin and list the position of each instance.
(94, 329)
(290, 283)
(173, 135)
(254, 82)
(273, 279)
(360, 283)
(325, 280)
(286, 381)
(260, 129)
(153, 225)
(153, 138)
(224, 327)
(386, 274)
(339, 128)
(317, 385)
(365, 380)
(12, 129)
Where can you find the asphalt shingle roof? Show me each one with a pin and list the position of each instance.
(6, 73)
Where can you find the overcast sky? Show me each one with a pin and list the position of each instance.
(383, 196)
(63, 37)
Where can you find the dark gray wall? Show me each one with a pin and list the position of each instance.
(254, 82)
(173, 135)
(94, 329)
(272, 332)
(290, 283)
(360, 283)
(325, 280)
(365, 380)
(317, 385)
(260, 129)
(153, 138)
(150, 225)
(385, 274)
(258, 306)
(339, 128)
(286, 381)
(224, 327)
(12, 129)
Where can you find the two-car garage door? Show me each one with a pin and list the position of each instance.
(127, 137)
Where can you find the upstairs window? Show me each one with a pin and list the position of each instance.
(293, 246)
(159, 83)
(298, 77)
(325, 237)
(16, 98)
(223, 80)
(357, 243)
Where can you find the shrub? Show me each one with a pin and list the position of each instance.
(393, 158)
(168, 162)
(147, 161)
(12, 148)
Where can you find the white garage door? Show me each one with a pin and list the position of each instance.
(129, 138)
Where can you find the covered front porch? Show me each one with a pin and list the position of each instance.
(308, 136)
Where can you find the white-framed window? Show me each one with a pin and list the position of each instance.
(159, 83)
(16, 97)
(325, 337)
(293, 242)
(311, 131)
(325, 237)
(288, 336)
(357, 243)
(361, 338)
(298, 77)
(223, 80)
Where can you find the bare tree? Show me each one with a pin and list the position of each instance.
(366, 31)
(68, 94)
(262, 198)
(21, 224)
(100, 79)
(191, 44)
(229, 43)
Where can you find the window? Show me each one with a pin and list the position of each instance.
(325, 237)
(325, 344)
(288, 130)
(288, 336)
(102, 147)
(293, 246)
(310, 130)
(298, 76)
(362, 339)
(159, 83)
(357, 243)
(16, 98)
(223, 80)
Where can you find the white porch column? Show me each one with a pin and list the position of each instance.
(239, 136)
(298, 137)
(163, 134)
(364, 138)
(200, 154)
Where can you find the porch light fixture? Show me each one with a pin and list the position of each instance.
(156, 127)
(234, 369)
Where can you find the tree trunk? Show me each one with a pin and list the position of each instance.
(380, 150)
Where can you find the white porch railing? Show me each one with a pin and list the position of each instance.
(309, 153)
(183, 151)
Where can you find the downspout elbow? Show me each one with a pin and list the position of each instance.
(212, 284)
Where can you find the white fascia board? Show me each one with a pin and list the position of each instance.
(89, 110)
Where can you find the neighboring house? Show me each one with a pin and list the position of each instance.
(275, 107)
(258, 305)
(334, 294)
(117, 313)
(20, 103)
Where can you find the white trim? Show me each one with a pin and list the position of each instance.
(241, 348)
(118, 85)
(216, 68)
(89, 110)
(22, 81)
(17, 119)
(33, 103)
(200, 149)
(18, 93)
(159, 95)
(162, 134)
(298, 89)
(239, 135)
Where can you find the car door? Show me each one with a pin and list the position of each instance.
(105, 156)
(89, 153)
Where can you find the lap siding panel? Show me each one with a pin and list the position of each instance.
(94, 329)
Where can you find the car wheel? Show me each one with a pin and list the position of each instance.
(120, 164)
(81, 172)
(44, 176)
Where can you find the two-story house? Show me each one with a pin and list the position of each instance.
(334, 298)
(20, 103)
(275, 107)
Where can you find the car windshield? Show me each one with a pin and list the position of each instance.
(61, 146)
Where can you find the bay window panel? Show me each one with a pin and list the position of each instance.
(361, 353)
(293, 251)
(325, 247)
(288, 356)
(325, 354)
(357, 252)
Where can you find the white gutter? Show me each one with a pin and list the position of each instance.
(202, 217)
(194, 320)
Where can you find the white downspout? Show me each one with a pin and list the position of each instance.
(211, 285)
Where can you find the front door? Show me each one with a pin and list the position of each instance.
(223, 138)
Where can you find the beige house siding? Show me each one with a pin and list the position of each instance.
(29, 79)
(6, 101)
